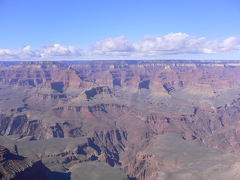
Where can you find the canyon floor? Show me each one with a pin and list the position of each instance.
(122, 120)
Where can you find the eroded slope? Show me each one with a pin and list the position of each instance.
(111, 111)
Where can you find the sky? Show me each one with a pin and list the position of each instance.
(119, 29)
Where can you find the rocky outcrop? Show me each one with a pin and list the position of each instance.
(117, 107)
(139, 74)
(16, 167)
(98, 90)
(169, 157)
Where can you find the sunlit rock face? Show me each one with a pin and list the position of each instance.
(114, 112)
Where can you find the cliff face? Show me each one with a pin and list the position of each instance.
(141, 75)
(168, 157)
(19, 168)
(118, 107)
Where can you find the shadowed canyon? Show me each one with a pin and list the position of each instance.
(122, 120)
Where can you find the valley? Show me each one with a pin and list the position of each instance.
(126, 120)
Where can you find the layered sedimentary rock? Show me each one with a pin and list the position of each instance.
(117, 108)
(16, 167)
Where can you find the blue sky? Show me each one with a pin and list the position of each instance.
(119, 29)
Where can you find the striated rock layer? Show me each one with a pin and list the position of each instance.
(16, 167)
(118, 112)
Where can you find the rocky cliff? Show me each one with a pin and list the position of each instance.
(117, 108)
(16, 167)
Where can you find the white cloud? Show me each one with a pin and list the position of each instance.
(181, 43)
(119, 47)
(47, 52)
(231, 43)
(57, 50)
(24, 53)
(170, 44)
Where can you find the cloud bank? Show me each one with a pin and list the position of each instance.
(121, 47)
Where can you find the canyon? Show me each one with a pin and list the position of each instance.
(126, 120)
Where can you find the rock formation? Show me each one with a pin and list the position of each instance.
(115, 112)
(16, 167)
